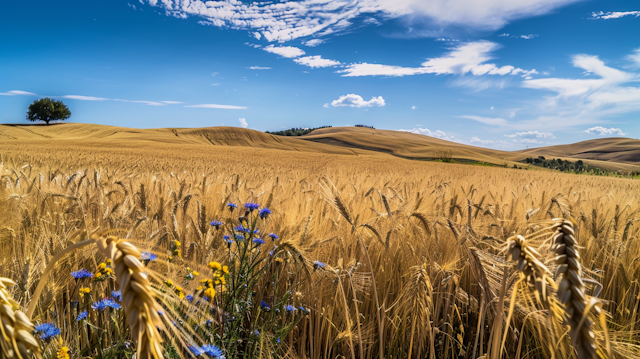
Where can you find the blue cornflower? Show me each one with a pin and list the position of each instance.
(290, 308)
(99, 305)
(105, 303)
(226, 238)
(189, 298)
(82, 316)
(258, 241)
(82, 273)
(231, 206)
(213, 351)
(264, 213)
(147, 257)
(278, 340)
(240, 229)
(216, 224)
(257, 231)
(255, 332)
(273, 236)
(196, 350)
(318, 264)
(47, 331)
(251, 206)
(304, 310)
(117, 295)
(239, 237)
(265, 306)
(271, 253)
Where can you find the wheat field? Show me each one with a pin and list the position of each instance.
(357, 257)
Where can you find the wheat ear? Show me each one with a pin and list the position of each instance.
(139, 302)
(571, 289)
(16, 329)
(532, 271)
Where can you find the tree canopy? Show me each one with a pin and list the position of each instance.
(47, 109)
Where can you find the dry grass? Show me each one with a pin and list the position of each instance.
(414, 251)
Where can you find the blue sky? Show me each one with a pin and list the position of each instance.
(505, 74)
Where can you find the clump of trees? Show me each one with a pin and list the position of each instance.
(47, 110)
(296, 131)
(367, 126)
(566, 165)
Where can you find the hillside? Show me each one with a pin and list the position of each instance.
(608, 153)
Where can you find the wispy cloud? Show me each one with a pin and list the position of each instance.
(84, 98)
(532, 134)
(497, 121)
(603, 131)
(285, 51)
(604, 93)
(313, 42)
(316, 61)
(465, 58)
(149, 103)
(613, 14)
(17, 93)
(259, 68)
(224, 107)
(353, 100)
(172, 102)
(287, 20)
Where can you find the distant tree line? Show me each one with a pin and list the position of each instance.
(367, 126)
(566, 165)
(296, 131)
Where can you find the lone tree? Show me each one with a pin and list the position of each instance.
(47, 109)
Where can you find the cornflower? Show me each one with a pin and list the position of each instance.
(47, 331)
(216, 224)
(82, 316)
(264, 213)
(81, 274)
(251, 206)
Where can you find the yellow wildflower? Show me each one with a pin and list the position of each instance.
(215, 266)
(169, 283)
(63, 353)
(177, 243)
(195, 274)
(102, 266)
(210, 293)
(200, 288)
(98, 275)
(225, 269)
(108, 262)
(84, 291)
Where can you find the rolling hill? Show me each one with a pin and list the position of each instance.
(607, 153)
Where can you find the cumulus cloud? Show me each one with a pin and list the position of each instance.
(603, 131)
(243, 123)
(353, 100)
(313, 42)
(259, 68)
(17, 93)
(487, 120)
(316, 61)
(465, 58)
(604, 92)
(285, 51)
(224, 107)
(287, 20)
(613, 14)
(532, 134)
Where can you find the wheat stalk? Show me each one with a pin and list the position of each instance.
(571, 289)
(532, 271)
(16, 329)
(139, 301)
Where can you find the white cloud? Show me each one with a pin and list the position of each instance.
(604, 93)
(603, 131)
(150, 103)
(635, 57)
(84, 98)
(259, 68)
(425, 131)
(528, 37)
(316, 61)
(614, 14)
(285, 51)
(413, 107)
(470, 57)
(243, 123)
(353, 100)
(17, 93)
(172, 102)
(487, 120)
(224, 107)
(475, 139)
(504, 34)
(326, 105)
(287, 20)
(532, 134)
(313, 42)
